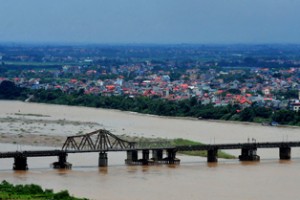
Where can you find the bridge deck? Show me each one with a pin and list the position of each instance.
(239, 146)
(42, 153)
(46, 153)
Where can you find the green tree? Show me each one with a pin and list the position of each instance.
(247, 115)
(8, 90)
(234, 91)
(284, 116)
(262, 111)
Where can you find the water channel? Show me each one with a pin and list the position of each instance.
(194, 178)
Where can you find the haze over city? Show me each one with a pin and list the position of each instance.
(155, 21)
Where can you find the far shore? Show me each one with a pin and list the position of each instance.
(159, 116)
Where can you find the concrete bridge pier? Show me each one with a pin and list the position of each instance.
(285, 153)
(157, 154)
(145, 159)
(20, 163)
(171, 157)
(249, 154)
(132, 157)
(102, 162)
(212, 155)
(62, 162)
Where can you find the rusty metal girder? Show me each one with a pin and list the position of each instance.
(101, 140)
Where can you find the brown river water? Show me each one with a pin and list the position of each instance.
(267, 179)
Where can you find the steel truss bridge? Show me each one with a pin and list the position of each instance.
(103, 141)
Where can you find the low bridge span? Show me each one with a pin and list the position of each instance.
(238, 146)
(102, 141)
(45, 153)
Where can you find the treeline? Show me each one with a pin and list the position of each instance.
(155, 105)
(31, 191)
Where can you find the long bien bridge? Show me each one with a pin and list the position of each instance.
(102, 141)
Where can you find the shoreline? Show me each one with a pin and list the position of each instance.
(155, 116)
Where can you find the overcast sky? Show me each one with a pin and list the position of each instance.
(150, 21)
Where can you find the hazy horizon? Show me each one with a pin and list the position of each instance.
(33, 43)
(136, 22)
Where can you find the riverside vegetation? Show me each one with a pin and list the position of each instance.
(153, 105)
(32, 191)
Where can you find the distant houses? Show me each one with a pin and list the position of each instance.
(261, 86)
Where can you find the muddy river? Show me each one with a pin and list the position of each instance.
(192, 179)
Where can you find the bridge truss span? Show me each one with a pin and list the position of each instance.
(100, 140)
